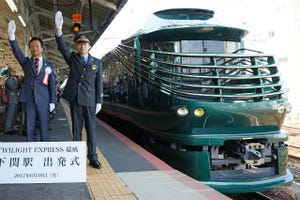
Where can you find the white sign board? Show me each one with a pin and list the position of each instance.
(42, 162)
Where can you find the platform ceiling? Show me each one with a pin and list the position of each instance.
(39, 18)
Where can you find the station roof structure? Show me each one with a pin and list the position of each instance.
(39, 19)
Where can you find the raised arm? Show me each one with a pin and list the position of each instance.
(12, 40)
(64, 50)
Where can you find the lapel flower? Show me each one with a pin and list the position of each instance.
(45, 79)
(48, 70)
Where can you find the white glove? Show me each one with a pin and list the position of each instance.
(59, 20)
(11, 30)
(51, 107)
(98, 107)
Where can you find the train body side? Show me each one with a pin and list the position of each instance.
(202, 103)
(213, 149)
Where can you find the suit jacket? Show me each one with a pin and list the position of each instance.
(12, 90)
(85, 81)
(33, 85)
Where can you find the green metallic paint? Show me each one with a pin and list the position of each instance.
(239, 91)
(282, 160)
(245, 186)
(195, 164)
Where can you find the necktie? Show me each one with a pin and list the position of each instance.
(36, 63)
(83, 60)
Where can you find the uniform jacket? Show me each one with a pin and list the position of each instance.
(85, 81)
(32, 84)
(12, 90)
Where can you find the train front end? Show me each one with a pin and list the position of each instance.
(224, 118)
(207, 105)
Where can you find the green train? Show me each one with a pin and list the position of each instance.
(201, 101)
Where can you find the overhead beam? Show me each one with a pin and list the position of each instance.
(105, 4)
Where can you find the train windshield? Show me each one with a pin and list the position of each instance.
(195, 46)
(191, 47)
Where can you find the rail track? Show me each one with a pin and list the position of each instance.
(294, 152)
(293, 142)
(261, 196)
(291, 130)
(250, 196)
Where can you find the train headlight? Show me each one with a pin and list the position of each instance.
(199, 112)
(280, 109)
(182, 111)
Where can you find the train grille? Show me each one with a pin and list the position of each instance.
(216, 77)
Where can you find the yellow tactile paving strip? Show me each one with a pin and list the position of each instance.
(103, 183)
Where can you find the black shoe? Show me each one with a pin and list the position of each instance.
(9, 132)
(95, 164)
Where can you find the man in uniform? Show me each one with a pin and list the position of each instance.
(12, 93)
(84, 89)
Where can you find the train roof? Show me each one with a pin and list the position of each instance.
(183, 14)
(186, 24)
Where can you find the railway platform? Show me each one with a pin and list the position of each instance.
(128, 171)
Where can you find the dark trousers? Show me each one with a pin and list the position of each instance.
(11, 114)
(33, 113)
(84, 115)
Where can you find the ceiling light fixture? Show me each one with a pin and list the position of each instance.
(12, 5)
(21, 20)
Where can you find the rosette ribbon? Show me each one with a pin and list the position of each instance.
(45, 79)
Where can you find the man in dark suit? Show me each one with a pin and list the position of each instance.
(38, 90)
(12, 93)
(84, 89)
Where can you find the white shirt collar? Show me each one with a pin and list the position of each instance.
(85, 56)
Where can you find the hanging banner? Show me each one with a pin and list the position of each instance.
(42, 162)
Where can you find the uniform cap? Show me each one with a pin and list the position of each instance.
(82, 38)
